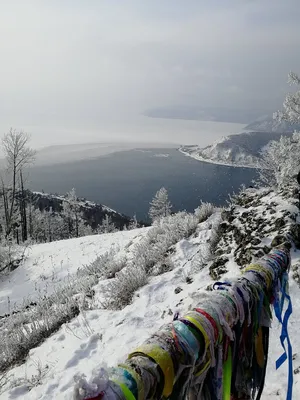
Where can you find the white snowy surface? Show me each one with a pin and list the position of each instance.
(51, 264)
(104, 338)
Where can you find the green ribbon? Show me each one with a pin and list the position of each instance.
(227, 374)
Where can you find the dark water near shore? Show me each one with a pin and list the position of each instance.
(127, 181)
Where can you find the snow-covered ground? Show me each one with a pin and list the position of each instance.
(51, 264)
(103, 338)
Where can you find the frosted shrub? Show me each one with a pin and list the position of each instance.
(10, 257)
(4, 258)
(204, 211)
(162, 266)
(4, 380)
(119, 292)
(165, 233)
(18, 338)
(150, 257)
(105, 265)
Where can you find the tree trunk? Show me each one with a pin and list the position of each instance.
(76, 223)
(11, 208)
(30, 221)
(23, 210)
(49, 228)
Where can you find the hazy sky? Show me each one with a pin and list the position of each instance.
(69, 68)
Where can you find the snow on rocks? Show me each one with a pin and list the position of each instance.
(255, 221)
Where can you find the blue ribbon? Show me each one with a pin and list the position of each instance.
(278, 307)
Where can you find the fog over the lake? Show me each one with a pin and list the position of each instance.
(78, 71)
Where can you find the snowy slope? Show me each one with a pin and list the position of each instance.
(239, 150)
(103, 338)
(49, 265)
(95, 337)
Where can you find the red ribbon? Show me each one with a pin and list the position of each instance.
(211, 320)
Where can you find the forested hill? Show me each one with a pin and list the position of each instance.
(41, 217)
(92, 213)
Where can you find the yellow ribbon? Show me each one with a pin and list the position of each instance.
(200, 328)
(259, 348)
(259, 268)
(163, 359)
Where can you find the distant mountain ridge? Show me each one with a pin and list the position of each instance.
(196, 113)
(267, 123)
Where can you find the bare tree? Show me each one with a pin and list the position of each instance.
(18, 154)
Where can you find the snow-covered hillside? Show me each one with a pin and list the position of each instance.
(239, 150)
(51, 265)
(99, 337)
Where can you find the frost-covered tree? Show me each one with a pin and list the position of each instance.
(71, 212)
(291, 104)
(281, 159)
(160, 206)
(107, 226)
(133, 223)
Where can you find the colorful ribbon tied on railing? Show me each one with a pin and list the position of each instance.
(217, 351)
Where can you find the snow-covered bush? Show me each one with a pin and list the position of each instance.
(160, 206)
(163, 266)
(204, 211)
(23, 331)
(4, 380)
(150, 257)
(119, 292)
(11, 256)
(164, 233)
(105, 266)
(4, 258)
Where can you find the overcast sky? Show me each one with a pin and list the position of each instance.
(69, 68)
